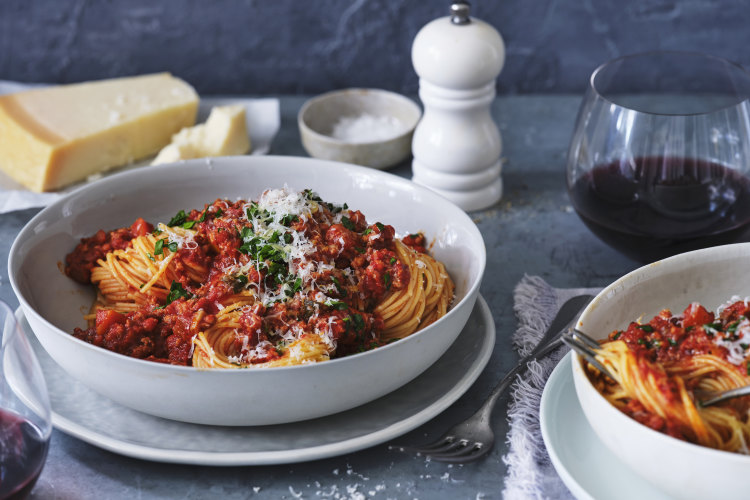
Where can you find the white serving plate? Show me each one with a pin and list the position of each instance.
(54, 304)
(586, 466)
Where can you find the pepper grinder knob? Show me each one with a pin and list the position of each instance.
(460, 12)
(456, 144)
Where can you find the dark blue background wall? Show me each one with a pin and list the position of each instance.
(310, 46)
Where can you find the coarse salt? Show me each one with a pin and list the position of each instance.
(367, 128)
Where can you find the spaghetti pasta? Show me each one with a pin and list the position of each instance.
(660, 366)
(284, 280)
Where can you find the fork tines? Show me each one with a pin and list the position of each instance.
(450, 449)
(586, 347)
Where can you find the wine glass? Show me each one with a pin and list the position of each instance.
(659, 159)
(25, 415)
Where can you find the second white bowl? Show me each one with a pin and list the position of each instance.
(684, 470)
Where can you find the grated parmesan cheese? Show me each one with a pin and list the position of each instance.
(738, 344)
(367, 128)
(732, 300)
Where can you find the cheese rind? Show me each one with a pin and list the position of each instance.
(223, 134)
(56, 136)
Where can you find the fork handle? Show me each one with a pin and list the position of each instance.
(485, 411)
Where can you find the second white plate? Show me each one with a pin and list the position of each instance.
(585, 464)
(81, 412)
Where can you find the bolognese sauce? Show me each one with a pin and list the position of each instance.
(257, 277)
(660, 367)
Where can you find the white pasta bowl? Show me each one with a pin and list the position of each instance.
(681, 469)
(54, 304)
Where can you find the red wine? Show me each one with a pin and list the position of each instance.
(655, 207)
(23, 450)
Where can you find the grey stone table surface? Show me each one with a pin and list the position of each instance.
(533, 230)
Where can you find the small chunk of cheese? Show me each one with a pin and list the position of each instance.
(223, 134)
(56, 136)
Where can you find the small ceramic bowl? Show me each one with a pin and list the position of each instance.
(366, 127)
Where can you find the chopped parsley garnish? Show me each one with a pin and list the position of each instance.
(181, 219)
(238, 282)
(252, 210)
(159, 247)
(337, 208)
(311, 195)
(711, 328)
(646, 328)
(672, 342)
(393, 260)
(347, 223)
(267, 248)
(387, 280)
(616, 335)
(289, 219)
(339, 288)
(177, 292)
(178, 219)
(160, 244)
(291, 288)
(337, 304)
(359, 323)
(380, 226)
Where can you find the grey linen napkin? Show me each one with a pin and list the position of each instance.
(530, 472)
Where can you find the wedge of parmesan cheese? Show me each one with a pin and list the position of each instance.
(223, 134)
(56, 136)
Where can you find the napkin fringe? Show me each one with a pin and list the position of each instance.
(531, 474)
(534, 303)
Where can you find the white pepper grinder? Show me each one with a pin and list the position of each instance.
(456, 145)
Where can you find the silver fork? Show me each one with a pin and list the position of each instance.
(473, 438)
(587, 347)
